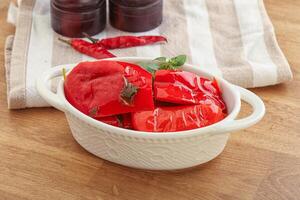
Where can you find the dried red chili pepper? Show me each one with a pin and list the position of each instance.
(127, 41)
(88, 48)
(106, 88)
(182, 87)
(177, 118)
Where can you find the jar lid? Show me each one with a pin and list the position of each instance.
(73, 23)
(135, 3)
(141, 8)
(78, 5)
(135, 18)
(83, 15)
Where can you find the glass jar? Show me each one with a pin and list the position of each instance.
(135, 15)
(72, 18)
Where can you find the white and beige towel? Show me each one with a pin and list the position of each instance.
(232, 38)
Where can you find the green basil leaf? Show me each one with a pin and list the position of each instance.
(161, 59)
(178, 60)
(166, 65)
(150, 67)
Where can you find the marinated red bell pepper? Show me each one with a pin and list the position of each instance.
(182, 87)
(122, 121)
(106, 88)
(177, 118)
(89, 48)
(128, 41)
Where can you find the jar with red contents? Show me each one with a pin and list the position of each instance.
(72, 18)
(135, 15)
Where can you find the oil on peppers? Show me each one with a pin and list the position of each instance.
(177, 118)
(106, 88)
(182, 87)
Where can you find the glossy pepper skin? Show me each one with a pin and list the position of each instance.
(182, 87)
(88, 48)
(129, 41)
(177, 118)
(95, 88)
(122, 121)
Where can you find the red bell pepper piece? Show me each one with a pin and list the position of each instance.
(106, 88)
(182, 87)
(177, 118)
(122, 121)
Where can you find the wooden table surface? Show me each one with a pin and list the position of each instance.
(39, 159)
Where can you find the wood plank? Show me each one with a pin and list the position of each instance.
(39, 159)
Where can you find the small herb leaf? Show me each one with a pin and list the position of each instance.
(161, 59)
(150, 67)
(128, 93)
(93, 112)
(164, 63)
(178, 60)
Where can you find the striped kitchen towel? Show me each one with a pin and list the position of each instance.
(232, 38)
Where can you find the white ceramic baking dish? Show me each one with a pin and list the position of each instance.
(155, 151)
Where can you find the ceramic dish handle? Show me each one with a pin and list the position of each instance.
(257, 114)
(42, 86)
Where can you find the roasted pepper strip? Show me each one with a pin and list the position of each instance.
(122, 121)
(182, 87)
(89, 48)
(98, 88)
(177, 118)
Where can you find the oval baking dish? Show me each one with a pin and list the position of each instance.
(155, 151)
